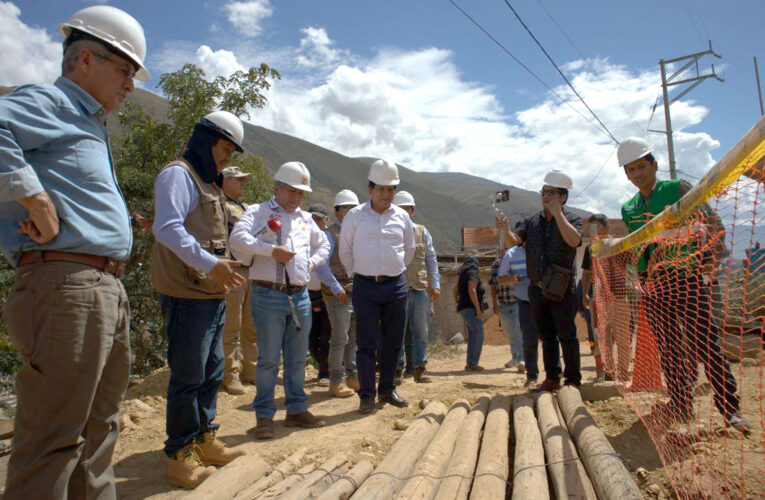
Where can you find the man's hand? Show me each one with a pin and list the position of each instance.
(553, 206)
(342, 297)
(144, 223)
(282, 255)
(226, 277)
(432, 311)
(42, 225)
(435, 293)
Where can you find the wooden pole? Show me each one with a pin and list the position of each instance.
(280, 472)
(344, 487)
(567, 475)
(386, 480)
(300, 490)
(229, 480)
(529, 472)
(608, 474)
(494, 462)
(288, 482)
(432, 465)
(459, 473)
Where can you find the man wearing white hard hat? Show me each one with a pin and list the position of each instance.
(193, 271)
(424, 282)
(285, 246)
(238, 328)
(336, 287)
(376, 245)
(699, 340)
(64, 225)
(552, 237)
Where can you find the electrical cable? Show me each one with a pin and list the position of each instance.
(560, 72)
(528, 70)
(589, 65)
(596, 175)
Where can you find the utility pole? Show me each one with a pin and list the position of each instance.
(759, 90)
(692, 62)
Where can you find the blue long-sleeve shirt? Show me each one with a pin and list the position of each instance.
(175, 197)
(324, 273)
(431, 262)
(53, 138)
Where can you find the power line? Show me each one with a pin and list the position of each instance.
(528, 70)
(560, 72)
(693, 21)
(587, 62)
(596, 175)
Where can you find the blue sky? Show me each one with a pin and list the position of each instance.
(417, 82)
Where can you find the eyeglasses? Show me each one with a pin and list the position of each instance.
(549, 192)
(127, 69)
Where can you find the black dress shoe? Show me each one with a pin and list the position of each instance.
(394, 399)
(367, 405)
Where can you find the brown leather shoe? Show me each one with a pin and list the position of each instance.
(549, 385)
(233, 386)
(264, 428)
(304, 419)
(474, 368)
(420, 377)
(213, 451)
(186, 470)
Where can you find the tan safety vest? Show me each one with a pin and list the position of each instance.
(337, 267)
(207, 224)
(417, 271)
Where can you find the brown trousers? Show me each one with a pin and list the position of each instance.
(70, 323)
(239, 329)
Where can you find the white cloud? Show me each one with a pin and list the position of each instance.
(247, 16)
(29, 54)
(317, 50)
(217, 63)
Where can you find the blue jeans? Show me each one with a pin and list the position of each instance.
(278, 336)
(342, 342)
(530, 339)
(417, 315)
(475, 335)
(380, 319)
(511, 322)
(195, 357)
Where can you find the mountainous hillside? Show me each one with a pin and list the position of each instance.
(445, 201)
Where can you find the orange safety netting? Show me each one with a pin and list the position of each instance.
(681, 322)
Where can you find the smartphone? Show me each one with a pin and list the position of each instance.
(500, 196)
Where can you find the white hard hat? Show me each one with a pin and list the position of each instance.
(227, 124)
(559, 179)
(346, 197)
(631, 149)
(384, 173)
(295, 174)
(403, 199)
(114, 27)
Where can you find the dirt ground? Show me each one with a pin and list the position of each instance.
(141, 466)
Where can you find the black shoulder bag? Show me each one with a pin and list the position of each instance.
(555, 279)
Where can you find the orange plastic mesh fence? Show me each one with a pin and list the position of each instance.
(681, 322)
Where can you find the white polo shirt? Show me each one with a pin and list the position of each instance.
(251, 240)
(376, 244)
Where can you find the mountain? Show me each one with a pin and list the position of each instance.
(446, 201)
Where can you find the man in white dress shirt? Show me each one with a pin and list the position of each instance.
(284, 245)
(376, 244)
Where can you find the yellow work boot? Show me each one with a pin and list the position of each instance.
(186, 469)
(213, 451)
(340, 391)
(353, 383)
(234, 386)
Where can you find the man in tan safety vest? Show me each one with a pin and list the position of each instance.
(424, 282)
(239, 327)
(192, 271)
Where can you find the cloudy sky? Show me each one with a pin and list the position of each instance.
(417, 82)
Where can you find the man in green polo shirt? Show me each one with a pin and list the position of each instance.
(677, 292)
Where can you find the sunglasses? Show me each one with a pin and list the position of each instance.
(549, 192)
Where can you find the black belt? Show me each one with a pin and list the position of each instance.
(279, 287)
(378, 279)
(105, 264)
